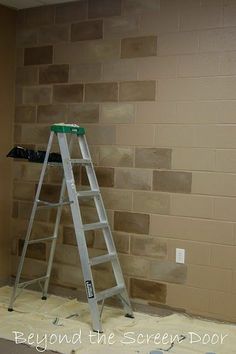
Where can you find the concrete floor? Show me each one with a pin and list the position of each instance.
(9, 347)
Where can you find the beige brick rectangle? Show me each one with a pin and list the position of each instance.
(169, 272)
(178, 43)
(85, 72)
(153, 158)
(137, 91)
(138, 6)
(118, 70)
(71, 12)
(86, 30)
(164, 21)
(131, 178)
(117, 199)
(148, 290)
(215, 40)
(38, 95)
(115, 156)
(101, 92)
(192, 229)
(222, 305)
(27, 75)
(117, 113)
(53, 74)
(53, 34)
(151, 202)
(103, 8)
(83, 113)
(23, 191)
(155, 112)
(72, 93)
(226, 160)
(101, 135)
(148, 246)
(135, 135)
(223, 256)
(38, 55)
(52, 113)
(225, 209)
(88, 51)
(198, 65)
(34, 134)
(120, 27)
(221, 184)
(138, 47)
(134, 266)
(191, 205)
(157, 67)
(199, 159)
(188, 89)
(25, 114)
(209, 278)
(174, 135)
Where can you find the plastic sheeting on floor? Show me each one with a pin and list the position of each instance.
(64, 325)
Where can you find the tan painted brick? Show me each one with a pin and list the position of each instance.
(217, 40)
(115, 156)
(131, 222)
(168, 272)
(27, 171)
(222, 305)
(172, 181)
(26, 76)
(69, 237)
(87, 51)
(137, 91)
(26, 37)
(38, 95)
(121, 242)
(52, 113)
(85, 72)
(166, 20)
(117, 199)
(83, 113)
(105, 176)
(177, 43)
(133, 179)
(23, 191)
(118, 70)
(157, 67)
(101, 92)
(209, 277)
(120, 27)
(225, 209)
(153, 158)
(198, 65)
(38, 55)
(25, 114)
(33, 268)
(155, 112)
(53, 74)
(151, 202)
(148, 290)
(193, 159)
(135, 135)
(32, 134)
(103, 135)
(226, 160)
(214, 184)
(191, 205)
(134, 265)
(223, 256)
(192, 229)
(149, 247)
(138, 47)
(103, 8)
(68, 93)
(53, 34)
(86, 30)
(66, 254)
(117, 113)
(71, 12)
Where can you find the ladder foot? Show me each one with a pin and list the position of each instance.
(129, 315)
(94, 330)
(10, 309)
(44, 297)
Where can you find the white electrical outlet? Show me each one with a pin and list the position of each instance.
(180, 255)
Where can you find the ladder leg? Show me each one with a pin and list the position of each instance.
(54, 242)
(30, 226)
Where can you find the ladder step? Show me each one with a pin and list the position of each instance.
(32, 281)
(102, 259)
(95, 226)
(87, 194)
(42, 239)
(81, 161)
(109, 292)
(51, 205)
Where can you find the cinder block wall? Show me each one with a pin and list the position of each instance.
(153, 82)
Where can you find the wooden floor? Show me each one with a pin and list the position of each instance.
(8, 347)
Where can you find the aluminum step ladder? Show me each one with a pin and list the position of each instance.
(75, 132)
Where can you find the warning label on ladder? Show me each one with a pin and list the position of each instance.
(89, 288)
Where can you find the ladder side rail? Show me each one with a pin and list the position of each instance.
(79, 232)
(32, 216)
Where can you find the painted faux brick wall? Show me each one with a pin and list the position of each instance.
(153, 82)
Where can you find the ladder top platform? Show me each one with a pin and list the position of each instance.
(67, 128)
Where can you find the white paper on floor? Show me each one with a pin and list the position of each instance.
(64, 325)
